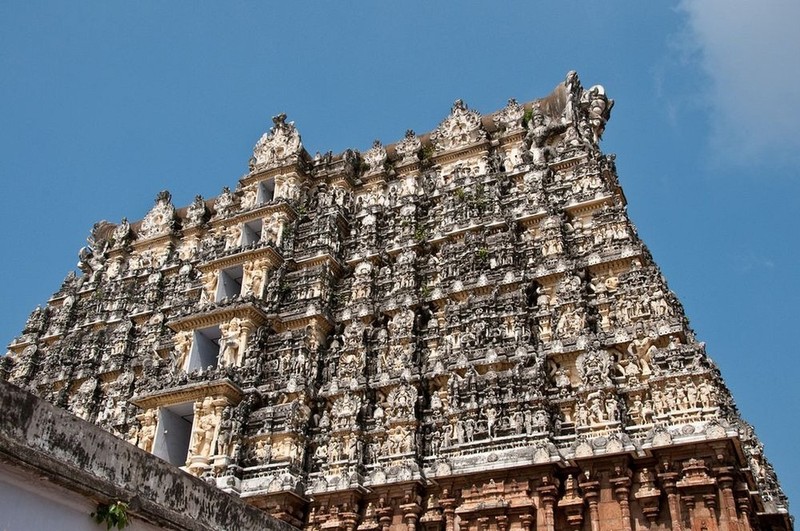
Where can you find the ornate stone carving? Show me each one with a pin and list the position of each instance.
(161, 218)
(344, 411)
(196, 213)
(401, 402)
(594, 367)
(510, 117)
(122, 233)
(375, 157)
(207, 416)
(225, 203)
(479, 311)
(276, 147)
(461, 128)
(408, 148)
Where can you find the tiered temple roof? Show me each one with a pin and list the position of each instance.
(460, 328)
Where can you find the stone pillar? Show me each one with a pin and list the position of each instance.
(527, 521)
(668, 480)
(548, 493)
(591, 493)
(622, 490)
(384, 517)
(572, 504)
(411, 521)
(349, 520)
(411, 512)
(689, 503)
(282, 220)
(710, 501)
(744, 509)
(728, 518)
(648, 496)
(449, 510)
(247, 328)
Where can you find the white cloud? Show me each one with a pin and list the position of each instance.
(748, 262)
(751, 54)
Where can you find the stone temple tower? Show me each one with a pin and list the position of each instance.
(459, 331)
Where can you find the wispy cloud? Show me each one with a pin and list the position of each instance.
(747, 262)
(751, 54)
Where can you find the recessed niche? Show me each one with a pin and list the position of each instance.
(230, 283)
(266, 191)
(174, 433)
(205, 349)
(252, 232)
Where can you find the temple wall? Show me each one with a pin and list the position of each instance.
(56, 468)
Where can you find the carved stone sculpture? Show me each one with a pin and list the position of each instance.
(460, 330)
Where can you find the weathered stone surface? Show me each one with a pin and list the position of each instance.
(48, 442)
(461, 326)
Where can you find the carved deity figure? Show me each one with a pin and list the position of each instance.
(229, 342)
(510, 117)
(233, 236)
(147, 431)
(461, 128)
(539, 132)
(599, 107)
(398, 441)
(197, 212)
(83, 399)
(224, 203)
(263, 451)
(271, 230)
(183, 346)
(351, 364)
(401, 401)
(375, 157)
(570, 322)
(354, 335)
(594, 366)
(210, 279)
(122, 233)
(643, 348)
(249, 197)
(225, 437)
(362, 283)
(203, 434)
(344, 411)
(254, 273)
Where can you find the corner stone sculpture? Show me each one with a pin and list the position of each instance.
(461, 330)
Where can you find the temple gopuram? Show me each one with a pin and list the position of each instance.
(460, 331)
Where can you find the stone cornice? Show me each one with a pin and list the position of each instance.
(566, 163)
(297, 167)
(155, 241)
(259, 212)
(190, 393)
(297, 321)
(317, 260)
(219, 315)
(528, 220)
(585, 207)
(462, 152)
(511, 137)
(267, 252)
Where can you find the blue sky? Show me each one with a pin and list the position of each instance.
(103, 104)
